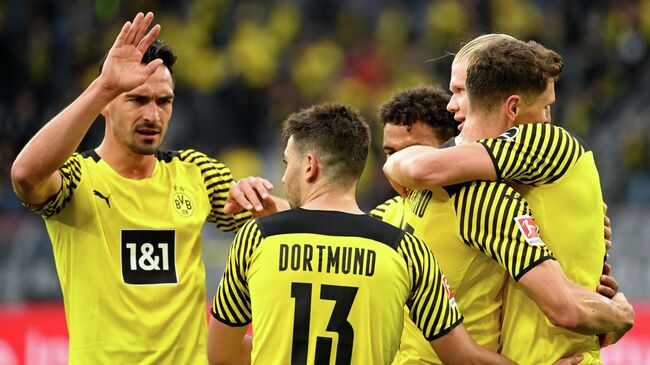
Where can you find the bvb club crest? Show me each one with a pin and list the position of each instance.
(182, 202)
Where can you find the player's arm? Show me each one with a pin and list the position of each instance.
(436, 313)
(231, 308)
(423, 167)
(253, 194)
(227, 344)
(34, 173)
(510, 236)
(217, 180)
(573, 307)
(447, 345)
(533, 153)
(458, 347)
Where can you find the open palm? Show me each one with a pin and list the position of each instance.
(123, 70)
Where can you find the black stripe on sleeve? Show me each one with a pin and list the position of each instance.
(532, 266)
(232, 304)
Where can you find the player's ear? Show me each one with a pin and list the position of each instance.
(513, 105)
(311, 167)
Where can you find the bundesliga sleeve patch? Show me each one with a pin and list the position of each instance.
(450, 294)
(529, 229)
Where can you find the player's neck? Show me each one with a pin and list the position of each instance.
(328, 198)
(486, 127)
(125, 162)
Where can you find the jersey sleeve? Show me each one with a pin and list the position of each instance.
(217, 179)
(232, 302)
(70, 178)
(533, 154)
(497, 220)
(431, 304)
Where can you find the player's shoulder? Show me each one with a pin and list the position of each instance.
(392, 201)
(88, 156)
(484, 197)
(380, 210)
(330, 223)
(191, 156)
(250, 226)
(541, 131)
(186, 155)
(167, 156)
(413, 240)
(79, 161)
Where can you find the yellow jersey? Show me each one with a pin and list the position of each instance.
(557, 175)
(128, 255)
(329, 287)
(391, 211)
(473, 230)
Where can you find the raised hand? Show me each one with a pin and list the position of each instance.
(122, 70)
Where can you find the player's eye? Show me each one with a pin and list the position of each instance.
(139, 99)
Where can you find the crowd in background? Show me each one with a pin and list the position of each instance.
(245, 65)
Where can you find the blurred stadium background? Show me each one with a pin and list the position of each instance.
(245, 65)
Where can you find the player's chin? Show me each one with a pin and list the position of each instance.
(146, 147)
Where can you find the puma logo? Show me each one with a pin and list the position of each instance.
(100, 195)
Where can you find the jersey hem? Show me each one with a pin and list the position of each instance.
(447, 330)
(532, 266)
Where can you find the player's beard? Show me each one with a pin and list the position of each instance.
(292, 189)
(144, 148)
(293, 196)
(140, 144)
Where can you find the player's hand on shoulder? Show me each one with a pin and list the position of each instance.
(252, 194)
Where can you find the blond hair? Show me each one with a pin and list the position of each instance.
(479, 42)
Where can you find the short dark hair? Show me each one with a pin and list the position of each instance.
(507, 67)
(336, 132)
(157, 49)
(427, 104)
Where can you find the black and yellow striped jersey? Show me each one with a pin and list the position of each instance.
(391, 211)
(481, 232)
(557, 175)
(128, 255)
(325, 285)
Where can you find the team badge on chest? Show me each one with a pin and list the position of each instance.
(181, 201)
